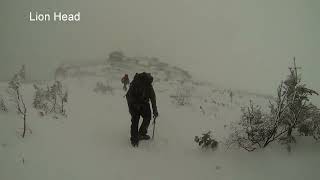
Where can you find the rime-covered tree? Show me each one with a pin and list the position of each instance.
(41, 99)
(51, 99)
(55, 90)
(15, 91)
(291, 111)
(64, 99)
(61, 94)
(299, 108)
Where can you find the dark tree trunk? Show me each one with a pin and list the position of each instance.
(62, 110)
(55, 102)
(289, 131)
(24, 124)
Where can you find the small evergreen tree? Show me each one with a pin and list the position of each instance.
(55, 91)
(206, 141)
(52, 99)
(299, 108)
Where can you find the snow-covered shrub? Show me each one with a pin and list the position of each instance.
(253, 129)
(14, 91)
(3, 107)
(182, 96)
(311, 127)
(206, 141)
(290, 112)
(41, 99)
(54, 92)
(102, 88)
(316, 128)
(51, 99)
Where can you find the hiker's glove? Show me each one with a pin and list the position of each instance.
(155, 114)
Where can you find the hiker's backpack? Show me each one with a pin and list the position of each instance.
(139, 90)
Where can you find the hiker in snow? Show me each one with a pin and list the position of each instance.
(125, 81)
(231, 96)
(138, 96)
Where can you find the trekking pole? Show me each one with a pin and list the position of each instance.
(154, 126)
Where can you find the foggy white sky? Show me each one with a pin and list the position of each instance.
(246, 44)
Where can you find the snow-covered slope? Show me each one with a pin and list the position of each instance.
(93, 141)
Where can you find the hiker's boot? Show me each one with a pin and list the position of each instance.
(135, 143)
(144, 137)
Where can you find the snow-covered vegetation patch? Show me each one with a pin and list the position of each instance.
(182, 95)
(103, 88)
(3, 106)
(50, 99)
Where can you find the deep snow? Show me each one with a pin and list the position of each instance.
(93, 141)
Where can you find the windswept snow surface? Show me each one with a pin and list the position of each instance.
(93, 141)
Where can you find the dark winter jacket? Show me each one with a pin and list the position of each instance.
(141, 91)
